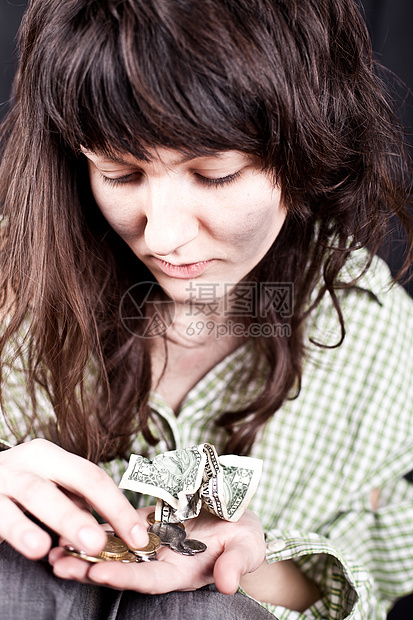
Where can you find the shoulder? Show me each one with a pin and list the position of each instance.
(376, 354)
(375, 309)
(369, 377)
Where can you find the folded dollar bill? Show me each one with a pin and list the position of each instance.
(186, 480)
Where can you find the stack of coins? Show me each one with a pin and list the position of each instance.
(172, 535)
(148, 553)
(116, 550)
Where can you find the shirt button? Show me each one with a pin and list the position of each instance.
(276, 545)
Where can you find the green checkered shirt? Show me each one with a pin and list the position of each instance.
(349, 431)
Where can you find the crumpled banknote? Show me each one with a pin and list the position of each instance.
(186, 480)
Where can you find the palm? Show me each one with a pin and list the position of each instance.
(232, 550)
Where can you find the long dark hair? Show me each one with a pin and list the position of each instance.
(289, 81)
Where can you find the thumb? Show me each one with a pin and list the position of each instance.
(234, 562)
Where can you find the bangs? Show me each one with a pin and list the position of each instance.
(123, 76)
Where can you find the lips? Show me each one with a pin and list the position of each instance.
(185, 271)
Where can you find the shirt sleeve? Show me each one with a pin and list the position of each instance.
(321, 561)
(362, 562)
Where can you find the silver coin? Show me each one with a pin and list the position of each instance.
(146, 558)
(188, 546)
(179, 548)
(167, 532)
(196, 546)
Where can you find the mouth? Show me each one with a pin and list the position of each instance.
(184, 271)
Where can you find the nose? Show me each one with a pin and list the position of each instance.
(170, 219)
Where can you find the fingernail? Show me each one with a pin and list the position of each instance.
(53, 554)
(31, 540)
(97, 578)
(139, 536)
(90, 539)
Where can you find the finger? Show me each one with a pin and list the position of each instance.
(76, 499)
(149, 577)
(55, 554)
(235, 561)
(46, 502)
(65, 541)
(83, 478)
(20, 532)
(109, 501)
(67, 567)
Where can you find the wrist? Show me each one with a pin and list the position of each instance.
(281, 583)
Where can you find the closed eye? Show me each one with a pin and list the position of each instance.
(133, 177)
(218, 181)
(136, 176)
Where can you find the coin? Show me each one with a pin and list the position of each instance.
(128, 558)
(193, 546)
(150, 557)
(167, 532)
(178, 548)
(114, 549)
(151, 520)
(69, 550)
(153, 544)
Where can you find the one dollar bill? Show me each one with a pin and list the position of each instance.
(185, 480)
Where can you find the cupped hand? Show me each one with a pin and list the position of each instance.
(58, 488)
(233, 549)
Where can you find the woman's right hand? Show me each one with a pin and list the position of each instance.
(58, 488)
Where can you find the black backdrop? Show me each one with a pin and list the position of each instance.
(11, 12)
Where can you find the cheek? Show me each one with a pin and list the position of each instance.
(253, 226)
(117, 212)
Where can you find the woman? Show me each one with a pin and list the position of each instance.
(173, 170)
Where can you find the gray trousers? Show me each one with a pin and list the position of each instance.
(30, 591)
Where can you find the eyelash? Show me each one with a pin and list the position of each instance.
(127, 178)
(209, 182)
(220, 181)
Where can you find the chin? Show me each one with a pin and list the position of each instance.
(194, 290)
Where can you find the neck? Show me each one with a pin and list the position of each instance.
(201, 325)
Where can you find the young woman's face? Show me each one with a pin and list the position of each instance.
(191, 221)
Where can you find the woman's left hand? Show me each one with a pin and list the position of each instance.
(233, 550)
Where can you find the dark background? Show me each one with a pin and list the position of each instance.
(11, 12)
(390, 24)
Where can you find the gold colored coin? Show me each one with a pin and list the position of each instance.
(153, 544)
(115, 549)
(82, 555)
(151, 518)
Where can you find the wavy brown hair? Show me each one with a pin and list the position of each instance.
(289, 81)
